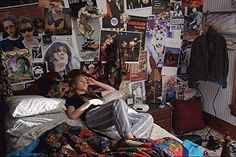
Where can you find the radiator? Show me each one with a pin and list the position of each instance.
(224, 96)
(218, 6)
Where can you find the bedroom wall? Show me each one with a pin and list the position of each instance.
(224, 97)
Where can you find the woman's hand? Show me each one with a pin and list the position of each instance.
(96, 101)
(91, 81)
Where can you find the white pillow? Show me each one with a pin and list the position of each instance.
(30, 106)
(112, 96)
(13, 101)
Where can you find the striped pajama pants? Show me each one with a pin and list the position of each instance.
(116, 113)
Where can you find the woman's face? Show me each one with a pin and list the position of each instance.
(81, 84)
(10, 28)
(26, 31)
(61, 54)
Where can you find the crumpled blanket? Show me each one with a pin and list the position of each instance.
(66, 140)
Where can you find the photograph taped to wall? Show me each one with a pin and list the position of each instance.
(113, 17)
(139, 70)
(18, 65)
(130, 45)
(157, 33)
(28, 17)
(108, 45)
(176, 9)
(37, 53)
(57, 21)
(92, 68)
(87, 29)
(137, 90)
(39, 68)
(54, 3)
(138, 24)
(169, 85)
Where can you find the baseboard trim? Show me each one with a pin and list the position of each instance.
(219, 125)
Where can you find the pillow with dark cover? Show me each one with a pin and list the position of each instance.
(187, 116)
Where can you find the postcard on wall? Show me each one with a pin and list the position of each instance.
(113, 16)
(181, 88)
(130, 45)
(55, 3)
(18, 65)
(193, 17)
(92, 68)
(137, 90)
(171, 56)
(57, 21)
(139, 70)
(108, 45)
(176, 9)
(169, 85)
(157, 33)
(39, 68)
(138, 24)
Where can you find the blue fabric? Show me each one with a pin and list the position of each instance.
(193, 149)
(26, 151)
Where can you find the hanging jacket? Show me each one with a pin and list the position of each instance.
(209, 59)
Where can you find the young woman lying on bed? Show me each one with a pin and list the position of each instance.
(87, 105)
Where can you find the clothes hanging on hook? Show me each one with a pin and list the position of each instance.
(209, 59)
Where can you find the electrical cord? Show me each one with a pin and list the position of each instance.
(214, 109)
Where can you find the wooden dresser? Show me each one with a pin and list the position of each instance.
(162, 116)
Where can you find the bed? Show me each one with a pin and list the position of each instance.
(36, 127)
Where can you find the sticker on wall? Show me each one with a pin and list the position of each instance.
(18, 65)
(39, 68)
